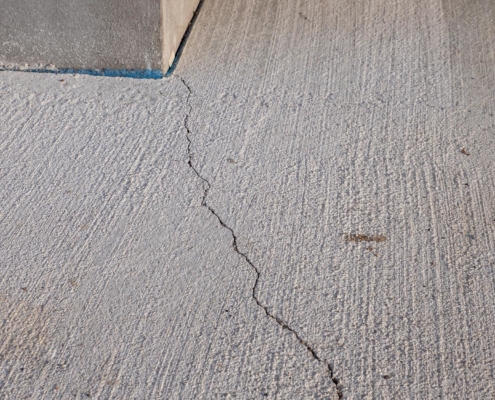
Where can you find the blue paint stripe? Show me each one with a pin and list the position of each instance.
(124, 73)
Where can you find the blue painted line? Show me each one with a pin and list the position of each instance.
(124, 73)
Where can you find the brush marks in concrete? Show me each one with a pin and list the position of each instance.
(116, 282)
(352, 122)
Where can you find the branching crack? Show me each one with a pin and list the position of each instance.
(206, 187)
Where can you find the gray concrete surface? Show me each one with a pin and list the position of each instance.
(305, 210)
(116, 282)
(92, 35)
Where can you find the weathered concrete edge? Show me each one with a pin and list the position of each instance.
(123, 73)
(177, 15)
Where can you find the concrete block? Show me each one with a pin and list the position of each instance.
(92, 35)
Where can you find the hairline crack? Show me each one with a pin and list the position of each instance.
(206, 189)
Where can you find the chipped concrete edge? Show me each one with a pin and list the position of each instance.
(175, 19)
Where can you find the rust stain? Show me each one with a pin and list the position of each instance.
(358, 237)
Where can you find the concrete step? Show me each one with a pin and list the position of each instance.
(117, 36)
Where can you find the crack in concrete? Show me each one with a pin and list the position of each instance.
(207, 187)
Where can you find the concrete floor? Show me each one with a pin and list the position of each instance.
(305, 210)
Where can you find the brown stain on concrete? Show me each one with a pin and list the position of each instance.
(26, 339)
(359, 237)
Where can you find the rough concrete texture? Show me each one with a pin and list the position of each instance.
(304, 211)
(92, 34)
(116, 282)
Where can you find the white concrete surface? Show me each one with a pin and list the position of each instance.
(322, 170)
